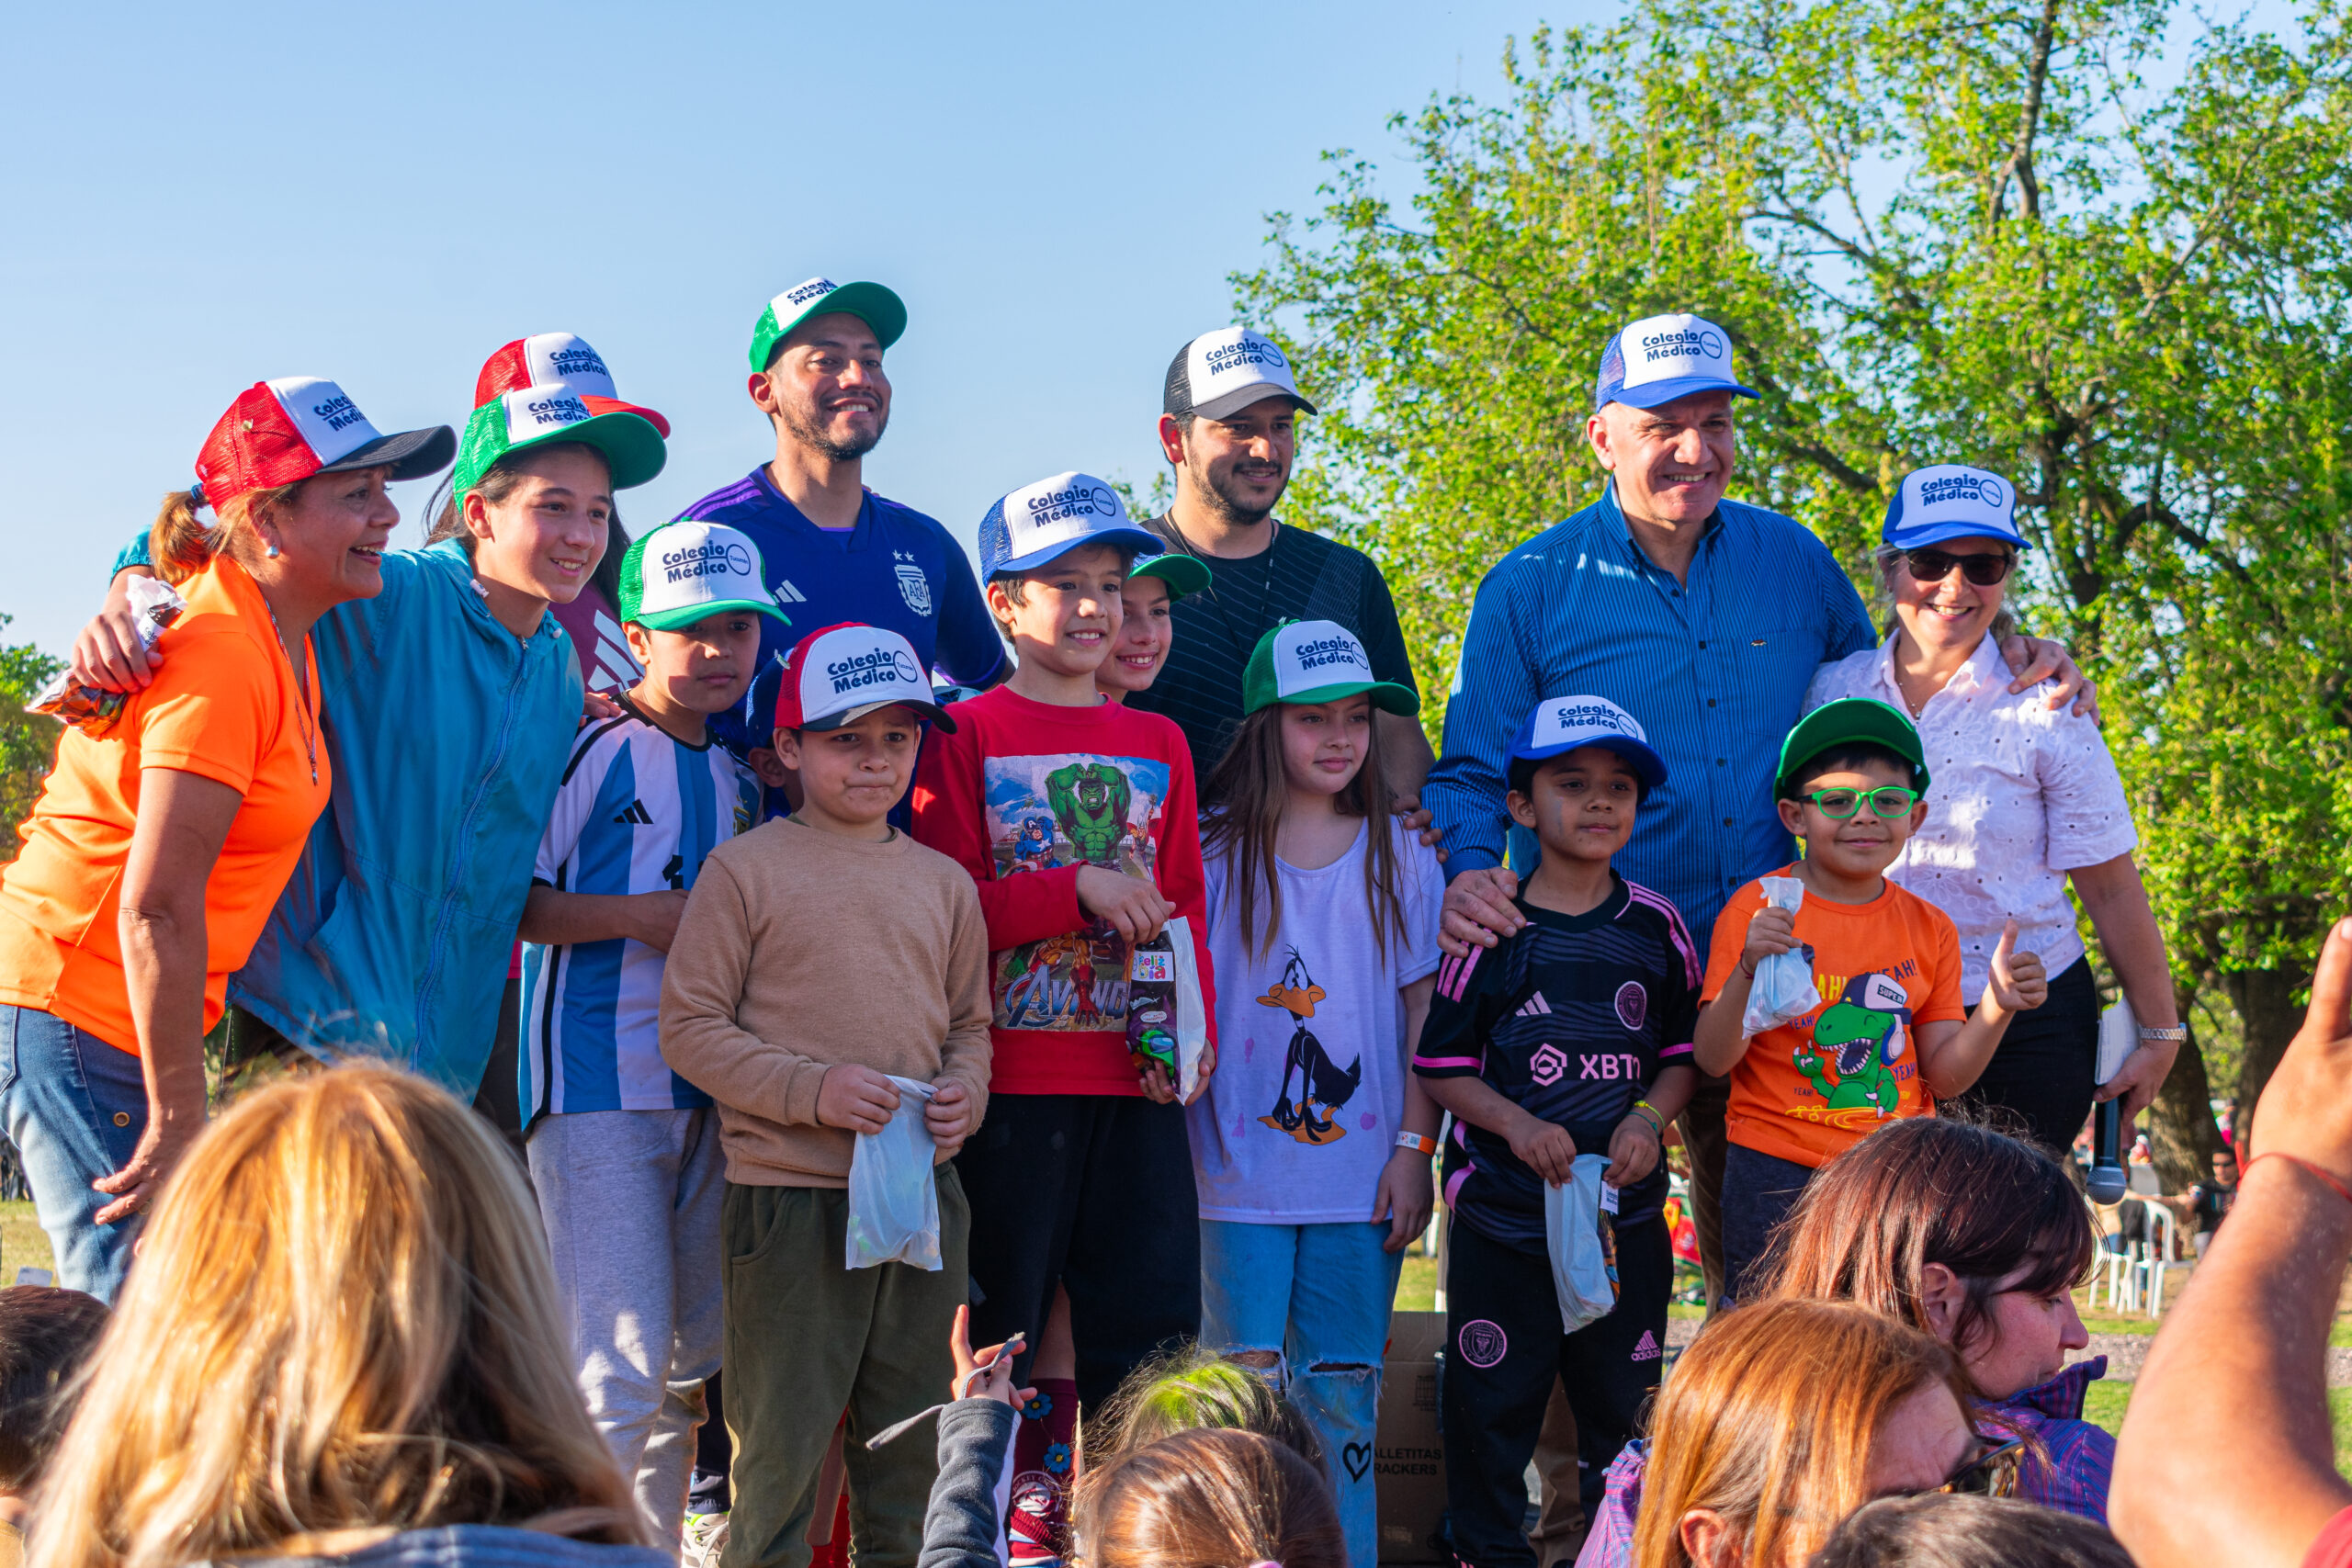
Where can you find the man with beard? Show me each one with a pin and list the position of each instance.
(1227, 425)
(834, 550)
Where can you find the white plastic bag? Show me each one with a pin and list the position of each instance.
(1191, 1016)
(1582, 1240)
(1782, 989)
(893, 1201)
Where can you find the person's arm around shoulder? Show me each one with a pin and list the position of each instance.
(2244, 1351)
(1496, 682)
(955, 1113)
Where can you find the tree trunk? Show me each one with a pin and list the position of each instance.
(2181, 1132)
(2265, 999)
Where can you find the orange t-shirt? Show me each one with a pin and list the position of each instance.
(1809, 1089)
(223, 705)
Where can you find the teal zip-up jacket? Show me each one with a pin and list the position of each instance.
(448, 735)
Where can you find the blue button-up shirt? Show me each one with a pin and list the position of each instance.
(1714, 669)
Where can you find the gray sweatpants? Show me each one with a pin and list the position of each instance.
(632, 1201)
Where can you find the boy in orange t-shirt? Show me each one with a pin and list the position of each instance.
(1889, 1035)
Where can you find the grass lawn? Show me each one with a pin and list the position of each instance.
(22, 1242)
(2105, 1408)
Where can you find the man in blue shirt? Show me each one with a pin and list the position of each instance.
(833, 549)
(1706, 618)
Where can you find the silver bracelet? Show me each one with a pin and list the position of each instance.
(2175, 1032)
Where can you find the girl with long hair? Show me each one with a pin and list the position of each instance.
(1311, 1148)
(341, 1344)
(1969, 1235)
(1784, 1418)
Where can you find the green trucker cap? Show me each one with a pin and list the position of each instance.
(1316, 662)
(869, 302)
(1845, 722)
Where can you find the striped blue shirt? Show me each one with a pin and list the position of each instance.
(637, 812)
(1715, 670)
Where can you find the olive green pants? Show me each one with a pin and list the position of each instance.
(808, 1338)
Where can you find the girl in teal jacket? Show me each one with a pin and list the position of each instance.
(450, 700)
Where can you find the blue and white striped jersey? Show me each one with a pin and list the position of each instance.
(637, 812)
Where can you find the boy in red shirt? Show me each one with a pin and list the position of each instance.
(1075, 816)
(1889, 1035)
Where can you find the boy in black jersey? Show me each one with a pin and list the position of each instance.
(1572, 1037)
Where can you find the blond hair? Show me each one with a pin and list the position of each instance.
(1770, 1419)
(1210, 1497)
(179, 545)
(342, 1319)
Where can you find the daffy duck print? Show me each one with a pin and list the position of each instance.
(1320, 1081)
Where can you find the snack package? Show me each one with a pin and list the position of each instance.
(893, 1190)
(1192, 1012)
(1580, 1235)
(1152, 1006)
(1783, 987)
(155, 604)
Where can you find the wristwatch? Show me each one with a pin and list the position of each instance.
(2175, 1032)
(1415, 1141)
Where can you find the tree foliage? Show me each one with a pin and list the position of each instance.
(27, 741)
(1936, 231)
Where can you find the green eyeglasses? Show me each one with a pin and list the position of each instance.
(1887, 800)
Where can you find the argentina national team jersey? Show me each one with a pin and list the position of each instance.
(637, 812)
(1571, 1020)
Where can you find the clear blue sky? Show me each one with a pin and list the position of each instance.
(201, 197)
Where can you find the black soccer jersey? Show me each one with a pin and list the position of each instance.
(1572, 1019)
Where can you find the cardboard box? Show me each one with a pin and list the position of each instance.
(1408, 1455)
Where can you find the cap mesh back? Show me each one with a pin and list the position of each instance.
(1179, 399)
(996, 540)
(632, 594)
(1613, 370)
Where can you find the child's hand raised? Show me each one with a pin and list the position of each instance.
(2018, 982)
(857, 1097)
(1773, 931)
(1544, 1147)
(1131, 906)
(984, 1374)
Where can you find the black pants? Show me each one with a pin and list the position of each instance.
(1758, 1191)
(1094, 1191)
(1504, 1350)
(706, 1488)
(499, 1097)
(2046, 1068)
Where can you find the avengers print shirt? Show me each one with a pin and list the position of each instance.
(1023, 795)
(1572, 1019)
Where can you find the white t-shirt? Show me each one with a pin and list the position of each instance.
(2018, 795)
(1304, 1108)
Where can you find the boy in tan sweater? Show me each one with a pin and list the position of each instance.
(821, 954)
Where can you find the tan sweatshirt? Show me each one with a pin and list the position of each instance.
(799, 949)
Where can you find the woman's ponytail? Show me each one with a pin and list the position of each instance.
(179, 545)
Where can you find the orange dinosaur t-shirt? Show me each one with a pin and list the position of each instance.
(1809, 1089)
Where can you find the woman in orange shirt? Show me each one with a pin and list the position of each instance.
(159, 846)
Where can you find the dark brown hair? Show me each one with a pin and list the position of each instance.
(45, 1336)
(1206, 1498)
(1944, 1530)
(1246, 794)
(1932, 1189)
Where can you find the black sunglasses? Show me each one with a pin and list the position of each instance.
(1982, 570)
(1992, 1473)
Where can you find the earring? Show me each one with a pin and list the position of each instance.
(271, 550)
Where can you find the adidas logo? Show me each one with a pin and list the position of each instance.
(635, 813)
(1647, 1349)
(1536, 1007)
(787, 594)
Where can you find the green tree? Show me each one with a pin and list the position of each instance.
(1937, 230)
(27, 741)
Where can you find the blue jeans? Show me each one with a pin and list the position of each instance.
(1319, 1296)
(74, 1106)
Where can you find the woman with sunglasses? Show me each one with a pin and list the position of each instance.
(2026, 799)
(1972, 1237)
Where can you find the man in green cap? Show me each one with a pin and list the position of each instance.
(826, 540)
